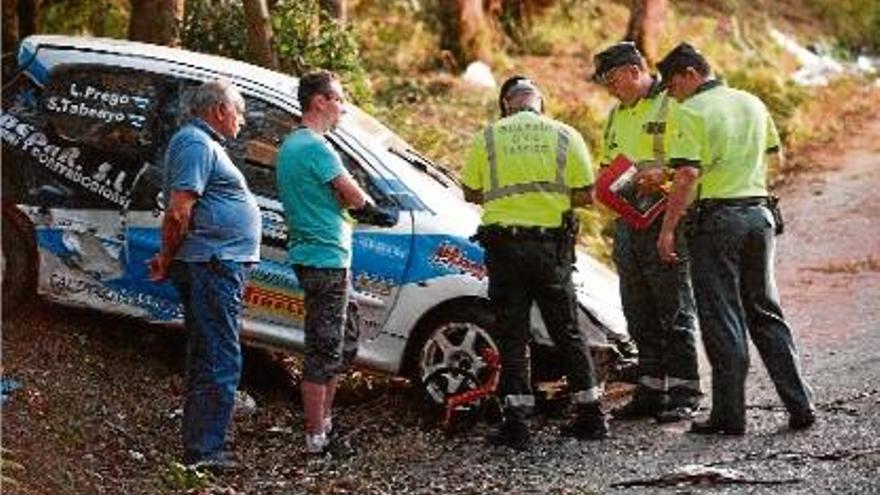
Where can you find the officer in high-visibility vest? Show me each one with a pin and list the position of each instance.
(528, 171)
(731, 240)
(657, 297)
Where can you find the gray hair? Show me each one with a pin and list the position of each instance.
(208, 95)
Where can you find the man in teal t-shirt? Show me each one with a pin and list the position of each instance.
(320, 231)
(316, 189)
(731, 241)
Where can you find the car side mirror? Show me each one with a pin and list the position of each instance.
(159, 202)
(379, 216)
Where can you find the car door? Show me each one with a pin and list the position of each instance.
(273, 294)
(89, 143)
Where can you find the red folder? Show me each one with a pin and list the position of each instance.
(616, 188)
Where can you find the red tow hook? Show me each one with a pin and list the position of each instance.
(486, 389)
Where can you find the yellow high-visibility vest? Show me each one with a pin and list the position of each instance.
(526, 165)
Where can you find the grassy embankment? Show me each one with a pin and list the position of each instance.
(436, 112)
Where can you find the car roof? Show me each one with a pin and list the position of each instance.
(264, 80)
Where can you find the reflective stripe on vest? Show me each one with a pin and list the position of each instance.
(652, 383)
(558, 186)
(519, 401)
(588, 396)
(657, 136)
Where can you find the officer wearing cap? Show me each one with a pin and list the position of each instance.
(657, 297)
(731, 240)
(528, 171)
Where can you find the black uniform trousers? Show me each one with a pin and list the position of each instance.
(733, 250)
(523, 271)
(661, 315)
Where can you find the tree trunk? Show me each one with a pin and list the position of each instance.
(517, 15)
(335, 9)
(260, 51)
(156, 21)
(474, 31)
(27, 17)
(645, 25)
(10, 25)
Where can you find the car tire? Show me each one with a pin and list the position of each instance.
(18, 269)
(448, 350)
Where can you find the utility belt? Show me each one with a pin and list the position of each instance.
(705, 207)
(519, 233)
(715, 203)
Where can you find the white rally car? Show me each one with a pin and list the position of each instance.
(84, 127)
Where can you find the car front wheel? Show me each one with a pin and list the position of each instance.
(450, 355)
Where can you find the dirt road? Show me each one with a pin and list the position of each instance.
(97, 407)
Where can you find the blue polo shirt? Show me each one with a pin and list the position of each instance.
(318, 229)
(225, 221)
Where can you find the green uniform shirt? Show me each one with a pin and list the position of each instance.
(735, 132)
(643, 132)
(538, 160)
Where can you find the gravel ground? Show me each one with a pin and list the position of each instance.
(98, 408)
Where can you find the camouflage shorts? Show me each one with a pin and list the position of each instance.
(331, 323)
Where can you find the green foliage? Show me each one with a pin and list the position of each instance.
(571, 25)
(106, 18)
(414, 106)
(215, 26)
(856, 23)
(305, 39)
(183, 479)
(395, 37)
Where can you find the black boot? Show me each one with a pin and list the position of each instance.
(682, 406)
(513, 433)
(589, 424)
(640, 407)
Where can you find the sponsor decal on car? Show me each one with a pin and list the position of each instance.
(65, 161)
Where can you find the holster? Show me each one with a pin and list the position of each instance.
(570, 228)
(773, 205)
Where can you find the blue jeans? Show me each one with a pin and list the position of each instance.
(212, 294)
(732, 249)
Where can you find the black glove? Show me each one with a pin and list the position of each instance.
(372, 214)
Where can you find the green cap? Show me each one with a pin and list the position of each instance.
(679, 59)
(616, 55)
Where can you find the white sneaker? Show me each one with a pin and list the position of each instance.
(315, 444)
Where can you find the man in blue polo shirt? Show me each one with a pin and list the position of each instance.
(210, 234)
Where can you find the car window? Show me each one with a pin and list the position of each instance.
(105, 107)
(114, 117)
(88, 134)
(256, 149)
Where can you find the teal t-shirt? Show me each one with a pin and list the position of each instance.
(319, 234)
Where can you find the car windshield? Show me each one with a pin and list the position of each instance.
(433, 184)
